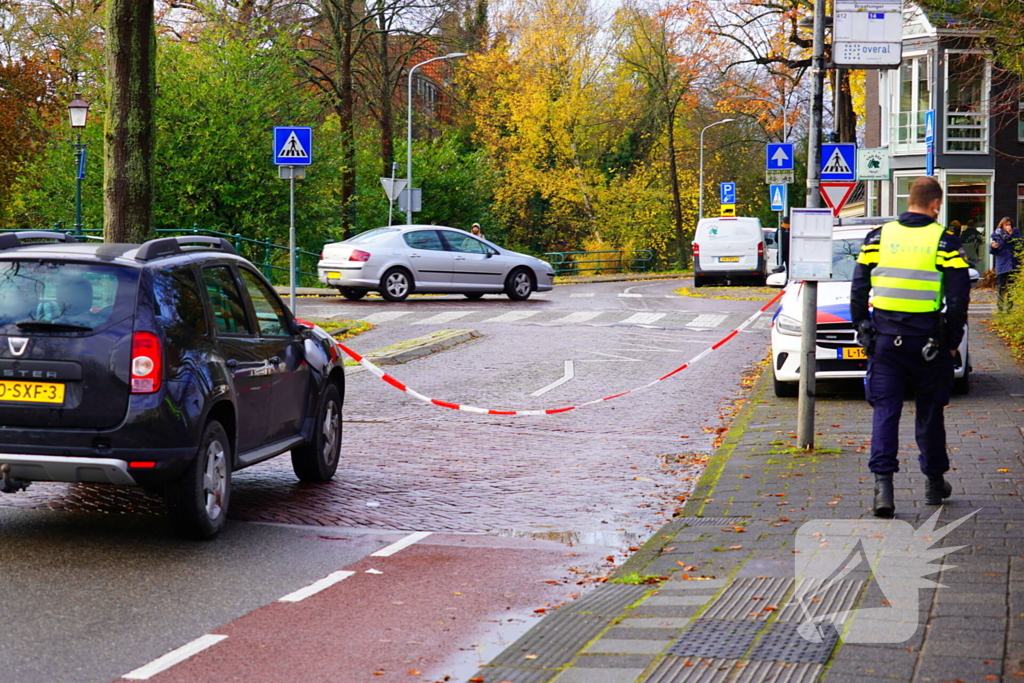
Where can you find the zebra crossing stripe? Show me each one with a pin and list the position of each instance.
(553, 411)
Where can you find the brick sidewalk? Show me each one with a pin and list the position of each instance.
(740, 525)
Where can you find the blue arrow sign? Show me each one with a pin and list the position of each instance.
(293, 145)
(777, 197)
(839, 162)
(779, 156)
(728, 192)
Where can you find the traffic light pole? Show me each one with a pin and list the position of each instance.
(809, 329)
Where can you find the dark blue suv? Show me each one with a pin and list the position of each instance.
(166, 365)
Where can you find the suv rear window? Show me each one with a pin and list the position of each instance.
(731, 230)
(61, 292)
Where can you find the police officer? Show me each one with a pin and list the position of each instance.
(910, 266)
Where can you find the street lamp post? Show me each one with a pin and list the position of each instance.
(78, 110)
(700, 190)
(408, 141)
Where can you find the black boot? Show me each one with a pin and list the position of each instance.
(885, 506)
(935, 489)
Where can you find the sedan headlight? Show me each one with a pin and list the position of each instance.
(786, 325)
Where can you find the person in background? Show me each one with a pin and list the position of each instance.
(476, 230)
(972, 240)
(783, 239)
(1004, 246)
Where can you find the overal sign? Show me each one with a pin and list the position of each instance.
(839, 162)
(293, 145)
(727, 192)
(873, 164)
(779, 156)
(778, 197)
(836, 195)
(867, 34)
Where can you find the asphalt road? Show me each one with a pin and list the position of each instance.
(512, 516)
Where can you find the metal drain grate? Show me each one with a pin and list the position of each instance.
(748, 599)
(714, 521)
(607, 600)
(782, 643)
(716, 638)
(553, 642)
(501, 674)
(676, 670)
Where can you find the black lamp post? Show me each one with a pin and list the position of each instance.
(78, 110)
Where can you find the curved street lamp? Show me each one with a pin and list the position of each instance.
(700, 190)
(78, 111)
(408, 141)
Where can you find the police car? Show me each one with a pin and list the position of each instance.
(838, 354)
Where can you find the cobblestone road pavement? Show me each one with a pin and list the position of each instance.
(728, 612)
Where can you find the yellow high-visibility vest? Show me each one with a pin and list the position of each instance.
(906, 278)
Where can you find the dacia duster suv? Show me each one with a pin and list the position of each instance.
(166, 365)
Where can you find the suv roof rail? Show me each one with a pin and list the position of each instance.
(864, 220)
(9, 240)
(170, 246)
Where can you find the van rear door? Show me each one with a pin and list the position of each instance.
(730, 244)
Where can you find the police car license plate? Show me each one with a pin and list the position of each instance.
(31, 392)
(853, 353)
(333, 275)
(728, 259)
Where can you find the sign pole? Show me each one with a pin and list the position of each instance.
(291, 235)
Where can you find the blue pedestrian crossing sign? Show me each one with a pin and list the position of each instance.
(779, 156)
(728, 192)
(777, 197)
(293, 145)
(839, 162)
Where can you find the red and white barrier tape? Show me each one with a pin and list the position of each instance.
(485, 411)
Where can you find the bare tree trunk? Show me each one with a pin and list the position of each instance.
(673, 179)
(129, 139)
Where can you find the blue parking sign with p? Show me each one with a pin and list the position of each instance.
(293, 145)
(728, 192)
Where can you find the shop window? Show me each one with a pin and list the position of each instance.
(1020, 205)
(968, 198)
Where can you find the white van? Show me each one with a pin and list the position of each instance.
(727, 248)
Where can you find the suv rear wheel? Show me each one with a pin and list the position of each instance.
(317, 460)
(197, 502)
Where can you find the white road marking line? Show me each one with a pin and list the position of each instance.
(579, 317)
(626, 295)
(762, 323)
(582, 295)
(442, 318)
(384, 316)
(707, 320)
(316, 587)
(399, 545)
(618, 359)
(570, 372)
(642, 318)
(173, 657)
(510, 317)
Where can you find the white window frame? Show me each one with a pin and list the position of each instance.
(917, 146)
(980, 117)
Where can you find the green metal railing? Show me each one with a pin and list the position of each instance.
(578, 262)
(259, 252)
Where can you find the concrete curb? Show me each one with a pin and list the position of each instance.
(403, 352)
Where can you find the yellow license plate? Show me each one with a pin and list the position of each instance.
(853, 353)
(31, 392)
(728, 259)
(333, 275)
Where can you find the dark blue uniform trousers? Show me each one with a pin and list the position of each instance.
(892, 368)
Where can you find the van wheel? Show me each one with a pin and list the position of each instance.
(699, 281)
(396, 285)
(317, 460)
(197, 502)
(786, 389)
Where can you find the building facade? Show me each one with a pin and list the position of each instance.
(978, 137)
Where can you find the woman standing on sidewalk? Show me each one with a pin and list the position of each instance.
(1004, 245)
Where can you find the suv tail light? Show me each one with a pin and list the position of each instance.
(696, 250)
(760, 249)
(147, 363)
(359, 255)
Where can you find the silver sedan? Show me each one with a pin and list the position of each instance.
(402, 259)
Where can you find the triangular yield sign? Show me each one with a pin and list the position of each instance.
(836, 195)
(293, 149)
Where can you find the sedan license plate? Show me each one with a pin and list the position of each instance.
(333, 275)
(728, 259)
(31, 392)
(853, 353)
